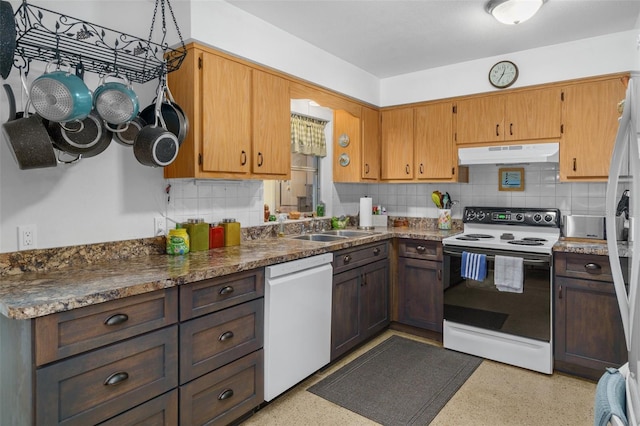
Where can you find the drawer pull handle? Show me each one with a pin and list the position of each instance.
(225, 336)
(226, 290)
(592, 268)
(346, 259)
(421, 249)
(116, 378)
(376, 251)
(116, 319)
(226, 394)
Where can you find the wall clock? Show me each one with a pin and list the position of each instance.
(503, 74)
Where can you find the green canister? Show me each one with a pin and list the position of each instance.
(178, 241)
(198, 232)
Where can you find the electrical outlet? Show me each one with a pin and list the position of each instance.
(27, 237)
(160, 226)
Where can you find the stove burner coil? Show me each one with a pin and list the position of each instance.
(473, 237)
(527, 242)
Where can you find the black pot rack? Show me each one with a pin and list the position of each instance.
(45, 35)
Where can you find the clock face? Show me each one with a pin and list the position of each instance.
(503, 74)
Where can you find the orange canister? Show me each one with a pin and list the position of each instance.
(216, 236)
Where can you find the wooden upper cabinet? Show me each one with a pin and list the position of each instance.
(590, 122)
(271, 153)
(526, 115)
(397, 144)
(239, 119)
(533, 114)
(480, 120)
(346, 147)
(435, 156)
(226, 115)
(370, 144)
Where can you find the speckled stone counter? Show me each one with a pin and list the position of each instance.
(597, 247)
(33, 294)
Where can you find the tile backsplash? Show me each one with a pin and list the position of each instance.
(244, 200)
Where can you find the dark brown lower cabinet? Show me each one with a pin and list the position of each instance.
(160, 411)
(360, 306)
(588, 333)
(420, 292)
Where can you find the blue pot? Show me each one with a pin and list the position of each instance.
(116, 102)
(61, 96)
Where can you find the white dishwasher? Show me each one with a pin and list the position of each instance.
(297, 321)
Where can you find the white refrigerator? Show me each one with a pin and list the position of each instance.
(627, 152)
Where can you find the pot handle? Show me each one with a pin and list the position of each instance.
(61, 161)
(158, 108)
(12, 102)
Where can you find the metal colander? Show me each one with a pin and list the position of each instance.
(51, 99)
(114, 106)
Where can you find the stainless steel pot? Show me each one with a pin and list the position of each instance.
(116, 102)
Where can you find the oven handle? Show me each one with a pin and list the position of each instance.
(492, 257)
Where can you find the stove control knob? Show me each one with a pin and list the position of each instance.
(548, 218)
(537, 217)
(481, 216)
(519, 217)
(471, 215)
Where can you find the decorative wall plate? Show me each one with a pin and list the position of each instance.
(343, 140)
(344, 160)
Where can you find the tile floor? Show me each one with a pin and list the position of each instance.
(496, 394)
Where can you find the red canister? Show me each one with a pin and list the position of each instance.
(216, 236)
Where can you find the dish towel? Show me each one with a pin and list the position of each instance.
(508, 273)
(610, 398)
(474, 266)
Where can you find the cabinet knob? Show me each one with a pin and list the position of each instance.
(225, 336)
(593, 268)
(497, 130)
(116, 378)
(421, 168)
(226, 290)
(225, 394)
(116, 319)
(243, 158)
(346, 258)
(407, 169)
(376, 251)
(366, 168)
(575, 165)
(260, 159)
(421, 249)
(511, 129)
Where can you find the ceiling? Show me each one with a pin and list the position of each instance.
(393, 37)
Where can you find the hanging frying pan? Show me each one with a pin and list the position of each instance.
(7, 38)
(88, 139)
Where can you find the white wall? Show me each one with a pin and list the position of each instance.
(112, 197)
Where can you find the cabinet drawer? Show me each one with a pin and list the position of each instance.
(212, 341)
(591, 267)
(69, 333)
(225, 394)
(204, 297)
(95, 386)
(160, 411)
(351, 258)
(420, 249)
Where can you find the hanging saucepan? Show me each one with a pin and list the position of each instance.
(27, 137)
(116, 102)
(173, 116)
(87, 138)
(61, 96)
(155, 146)
(7, 38)
(126, 133)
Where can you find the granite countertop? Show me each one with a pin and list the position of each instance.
(34, 294)
(584, 246)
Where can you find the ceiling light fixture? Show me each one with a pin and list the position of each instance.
(513, 12)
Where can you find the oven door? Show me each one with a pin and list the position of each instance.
(480, 304)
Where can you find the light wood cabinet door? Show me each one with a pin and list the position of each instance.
(590, 122)
(271, 154)
(226, 115)
(346, 156)
(397, 144)
(480, 120)
(435, 156)
(533, 114)
(370, 144)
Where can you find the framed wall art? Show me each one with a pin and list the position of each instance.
(511, 179)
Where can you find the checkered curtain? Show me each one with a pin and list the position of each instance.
(307, 136)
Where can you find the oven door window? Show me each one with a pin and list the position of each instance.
(481, 304)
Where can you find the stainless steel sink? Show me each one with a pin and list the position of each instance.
(348, 233)
(319, 237)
